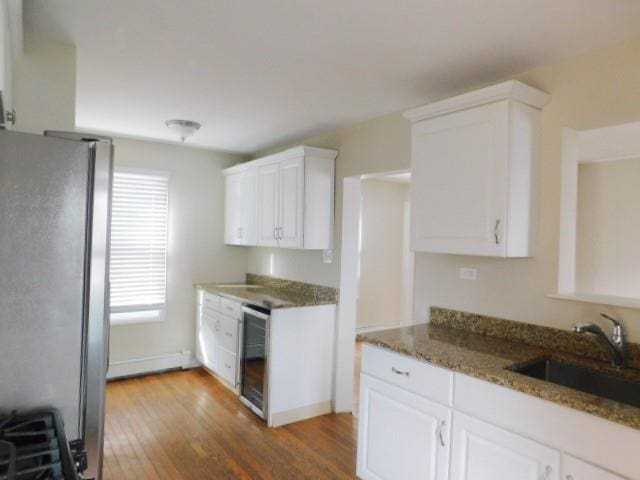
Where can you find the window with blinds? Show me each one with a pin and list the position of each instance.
(138, 259)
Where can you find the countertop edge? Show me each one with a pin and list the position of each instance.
(211, 288)
(557, 394)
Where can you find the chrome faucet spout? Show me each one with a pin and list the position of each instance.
(616, 342)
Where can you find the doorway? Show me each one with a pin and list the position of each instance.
(377, 269)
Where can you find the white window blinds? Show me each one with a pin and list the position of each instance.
(138, 261)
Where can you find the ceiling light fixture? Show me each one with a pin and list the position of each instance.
(184, 128)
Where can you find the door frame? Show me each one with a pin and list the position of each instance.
(349, 286)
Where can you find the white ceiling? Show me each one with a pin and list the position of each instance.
(257, 73)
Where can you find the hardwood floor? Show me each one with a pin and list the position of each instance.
(186, 425)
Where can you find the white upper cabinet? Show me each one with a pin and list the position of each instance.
(288, 201)
(291, 203)
(474, 167)
(240, 216)
(233, 209)
(268, 179)
(249, 203)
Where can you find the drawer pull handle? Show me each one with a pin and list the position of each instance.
(399, 372)
(228, 334)
(569, 477)
(227, 365)
(547, 472)
(441, 427)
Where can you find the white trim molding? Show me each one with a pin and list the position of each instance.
(511, 89)
(578, 147)
(295, 152)
(145, 365)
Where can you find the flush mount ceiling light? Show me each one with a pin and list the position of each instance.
(184, 128)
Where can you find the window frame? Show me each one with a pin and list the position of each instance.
(141, 314)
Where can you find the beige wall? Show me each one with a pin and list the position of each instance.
(608, 239)
(45, 87)
(588, 91)
(196, 243)
(381, 301)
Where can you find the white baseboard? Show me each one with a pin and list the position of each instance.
(144, 365)
(298, 414)
(375, 328)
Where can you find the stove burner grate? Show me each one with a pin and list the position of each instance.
(33, 447)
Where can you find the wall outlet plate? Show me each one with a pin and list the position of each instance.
(468, 273)
(327, 256)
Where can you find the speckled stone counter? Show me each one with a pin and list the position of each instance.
(482, 347)
(273, 293)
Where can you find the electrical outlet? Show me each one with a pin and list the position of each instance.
(327, 256)
(469, 273)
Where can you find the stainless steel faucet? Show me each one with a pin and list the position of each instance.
(616, 342)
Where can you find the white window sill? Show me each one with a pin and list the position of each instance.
(597, 298)
(136, 317)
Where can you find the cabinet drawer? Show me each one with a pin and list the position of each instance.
(209, 314)
(227, 366)
(211, 301)
(575, 469)
(419, 377)
(228, 333)
(230, 308)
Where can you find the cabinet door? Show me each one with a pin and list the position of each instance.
(481, 451)
(268, 205)
(574, 469)
(227, 366)
(249, 228)
(233, 209)
(400, 435)
(207, 347)
(459, 182)
(291, 203)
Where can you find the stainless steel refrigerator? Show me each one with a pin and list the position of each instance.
(54, 229)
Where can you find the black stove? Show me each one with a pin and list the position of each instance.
(33, 447)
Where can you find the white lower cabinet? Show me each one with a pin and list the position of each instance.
(207, 344)
(227, 366)
(420, 421)
(401, 435)
(217, 337)
(574, 469)
(482, 451)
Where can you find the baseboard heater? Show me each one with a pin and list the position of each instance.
(154, 364)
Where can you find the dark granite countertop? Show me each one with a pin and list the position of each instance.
(453, 341)
(274, 293)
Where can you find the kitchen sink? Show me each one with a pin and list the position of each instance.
(584, 379)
